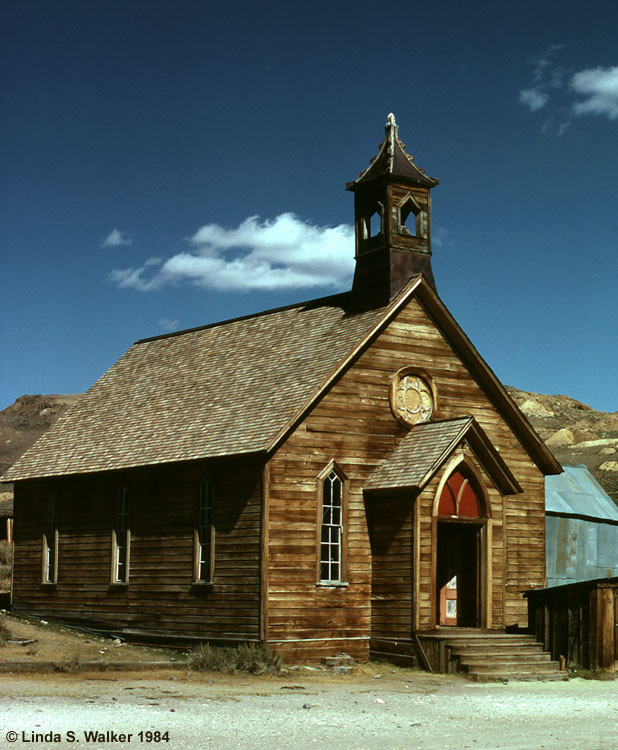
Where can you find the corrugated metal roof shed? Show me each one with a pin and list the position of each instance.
(576, 492)
(581, 528)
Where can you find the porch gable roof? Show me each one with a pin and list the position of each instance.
(426, 448)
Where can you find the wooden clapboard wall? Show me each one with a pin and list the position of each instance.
(353, 425)
(265, 574)
(160, 597)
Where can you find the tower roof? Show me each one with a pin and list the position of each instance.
(392, 159)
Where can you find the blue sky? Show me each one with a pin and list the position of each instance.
(169, 164)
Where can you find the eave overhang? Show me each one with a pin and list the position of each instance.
(427, 447)
(419, 288)
(487, 379)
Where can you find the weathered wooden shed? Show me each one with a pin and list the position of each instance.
(581, 528)
(323, 477)
(578, 622)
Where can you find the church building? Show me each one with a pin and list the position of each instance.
(341, 475)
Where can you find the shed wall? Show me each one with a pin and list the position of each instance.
(580, 550)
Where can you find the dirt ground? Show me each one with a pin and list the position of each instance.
(42, 641)
(400, 709)
(377, 707)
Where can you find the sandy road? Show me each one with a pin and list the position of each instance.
(402, 709)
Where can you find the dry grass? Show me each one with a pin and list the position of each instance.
(249, 658)
(71, 649)
(5, 633)
(6, 554)
(74, 663)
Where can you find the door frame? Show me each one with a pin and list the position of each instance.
(484, 563)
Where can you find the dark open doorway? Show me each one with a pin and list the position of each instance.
(458, 574)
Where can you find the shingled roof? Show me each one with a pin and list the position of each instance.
(238, 386)
(427, 446)
(224, 389)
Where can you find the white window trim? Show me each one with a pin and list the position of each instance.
(339, 579)
(121, 526)
(204, 533)
(49, 571)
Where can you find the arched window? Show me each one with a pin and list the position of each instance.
(331, 542)
(459, 498)
(375, 224)
(204, 534)
(412, 218)
(50, 541)
(370, 221)
(121, 538)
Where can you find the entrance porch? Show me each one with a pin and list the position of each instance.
(482, 655)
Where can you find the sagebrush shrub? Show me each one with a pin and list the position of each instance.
(250, 658)
(5, 633)
(6, 553)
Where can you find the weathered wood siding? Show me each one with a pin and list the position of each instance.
(353, 425)
(519, 554)
(160, 597)
(578, 622)
(391, 529)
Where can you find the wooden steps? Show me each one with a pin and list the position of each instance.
(500, 656)
(482, 655)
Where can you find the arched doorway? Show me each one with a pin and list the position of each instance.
(461, 557)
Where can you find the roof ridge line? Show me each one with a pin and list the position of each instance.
(391, 310)
(258, 314)
(445, 453)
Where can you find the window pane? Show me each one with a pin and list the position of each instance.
(335, 547)
(205, 532)
(468, 503)
(121, 556)
(446, 506)
(50, 562)
(455, 482)
(331, 531)
(204, 561)
(121, 542)
(336, 491)
(49, 540)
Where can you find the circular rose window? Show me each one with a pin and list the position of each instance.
(412, 399)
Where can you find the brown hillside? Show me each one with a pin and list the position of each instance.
(575, 433)
(22, 424)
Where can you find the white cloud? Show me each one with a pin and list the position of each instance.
(440, 237)
(533, 98)
(595, 89)
(599, 87)
(116, 238)
(168, 325)
(284, 253)
(545, 76)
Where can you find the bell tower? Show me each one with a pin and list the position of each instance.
(392, 212)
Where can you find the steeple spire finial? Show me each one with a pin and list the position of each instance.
(392, 207)
(391, 130)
